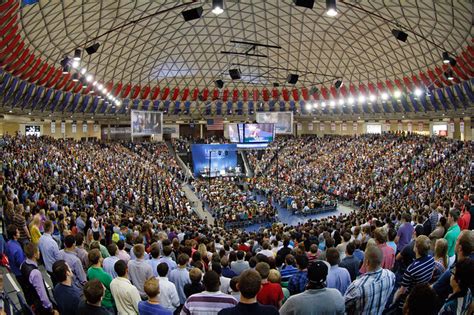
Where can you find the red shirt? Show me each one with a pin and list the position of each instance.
(464, 220)
(244, 248)
(270, 294)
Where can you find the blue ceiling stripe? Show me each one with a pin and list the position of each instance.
(19, 93)
(424, 103)
(85, 102)
(6, 80)
(406, 106)
(46, 99)
(442, 99)
(461, 96)
(433, 101)
(55, 102)
(468, 91)
(65, 101)
(11, 89)
(145, 104)
(75, 101)
(36, 99)
(415, 103)
(156, 105)
(451, 97)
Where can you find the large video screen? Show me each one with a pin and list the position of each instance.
(254, 133)
(33, 130)
(145, 123)
(236, 133)
(222, 157)
(283, 121)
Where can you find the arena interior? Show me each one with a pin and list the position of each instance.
(236, 157)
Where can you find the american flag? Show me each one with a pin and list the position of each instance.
(215, 124)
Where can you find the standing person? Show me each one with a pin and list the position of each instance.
(317, 298)
(405, 232)
(49, 249)
(452, 234)
(460, 300)
(126, 295)
(168, 294)
(298, 281)
(139, 270)
(110, 261)
(81, 252)
(35, 229)
(97, 272)
(93, 292)
(180, 277)
(350, 262)
(166, 257)
(195, 286)
(420, 271)
(370, 293)
(270, 293)
(210, 301)
(66, 295)
(69, 255)
(154, 261)
(249, 285)
(239, 265)
(33, 285)
(20, 223)
(14, 252)
(338, 278)
(152, 305)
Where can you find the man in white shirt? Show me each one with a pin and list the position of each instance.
(125, 294)
(168, 294)
(225, 282)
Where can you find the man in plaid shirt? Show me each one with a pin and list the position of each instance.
(298, 281)
(369, 293)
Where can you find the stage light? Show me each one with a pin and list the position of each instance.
(315, 105)
(118, 103)
(449, 75)
(104, 91)
(83, 71)
(89, 77)
(75, 77)
(308, 106)
(361, 99)
(350, 100)
(100, 87)
(92, 49)
(338, 83)
(397, 94)
(332, 103)
(372, 97)
(217, 6)
(66, 69)
(446, 57)
(418, 92)
(341, 101)
(77, 54)
(400, 35)
(331, 9)
(323, 104)
(75, 64)
(384, 96)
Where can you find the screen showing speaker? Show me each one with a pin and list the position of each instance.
(214, 159)
(258, 133)
(33, 130)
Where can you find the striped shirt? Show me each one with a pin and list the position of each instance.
(420, 271)
(208, 303)
(369, 293)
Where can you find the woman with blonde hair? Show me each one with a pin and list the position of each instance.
(35, 229)
(441, 259)
(275, 277)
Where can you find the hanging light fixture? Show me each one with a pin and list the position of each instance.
(446, 58)
(77, 54)
(75, 77)
(217, 6)
(331, 9)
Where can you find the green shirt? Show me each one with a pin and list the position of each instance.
(105, 279)
(451, 237)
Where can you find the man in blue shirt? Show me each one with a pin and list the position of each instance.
(298, 281)
(66, 295)
(14, 252)
(152, 306)
(49, 249)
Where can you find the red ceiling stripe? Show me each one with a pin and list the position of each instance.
(215, 94)
(441, 76)
(12, 24)
(235, 95)
(266, 95)
(304, 93)
(399, 84)
(408, 84)
(296, 95)
(195, 94)
(225, 95)
(77, 87)
(39, 73)
(45, 77)
(117, 89)
(465, 68)
(468, 59)
(146, 92)
(333, 91)
(245, 95)
(6, 5)
(127, 90)
(389, 85)
(14, 55)
(343, 91)
(255, 95)
(32, 70)
(155, 93)
(324, 93)
(109, 86)
(9, 45)
(433, 78)
(352, 89)
(372, 88)
(185, 95)
(56, 78)
(28, 63)
(425, 79)
(13, 10)
(175, 93)
(284, 93)
(381, 87)
(63, 82)
(275, 94)
(166, 92)
(20, 60)
(136, 90)
(69, 85)
(363, 89)
(415, 80)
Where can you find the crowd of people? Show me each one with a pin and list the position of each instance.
(111, 227)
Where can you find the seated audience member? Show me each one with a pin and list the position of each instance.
(66, 295)
(97, 272)
(195, 286)
(421, 300)
(338, 278)
(375, 285)
(460, 301)
(33, 285)
(169, 298)
(180, 277)
(298, 281)
(210, 301)
(249, 285)
(126, 295)
(270, 293)
(152, 305)
(93, 292)
(317, 298)
(139, 270)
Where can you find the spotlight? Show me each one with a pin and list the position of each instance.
(92, 49)
(219, 84)
(341, 101)
(304, 3)
(323, 104)
(418, 92)
(332, 103)
(77, 54)
(400, 35)
(315, 105)
(192, 14)
(66, 69)
(100, 87)
(104, 90)
(75, 64)
(350, 100)
(361, 99)
(83, 71)
(338, 84)
(384, 96)
(118, 103)
(372, 97)
(331, 8)
(397, 94)
(308, 106)
(217, 6)
(89, 77)
(75, 77)
(446, 57)
(449, 75)
(84, 83)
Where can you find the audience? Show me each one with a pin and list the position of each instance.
(126, 295)
(152, 305)
(66, 295)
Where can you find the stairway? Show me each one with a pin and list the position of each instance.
(197, 204)
(178, 159)
(248, 170)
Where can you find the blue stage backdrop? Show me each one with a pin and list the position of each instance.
(223, 157)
